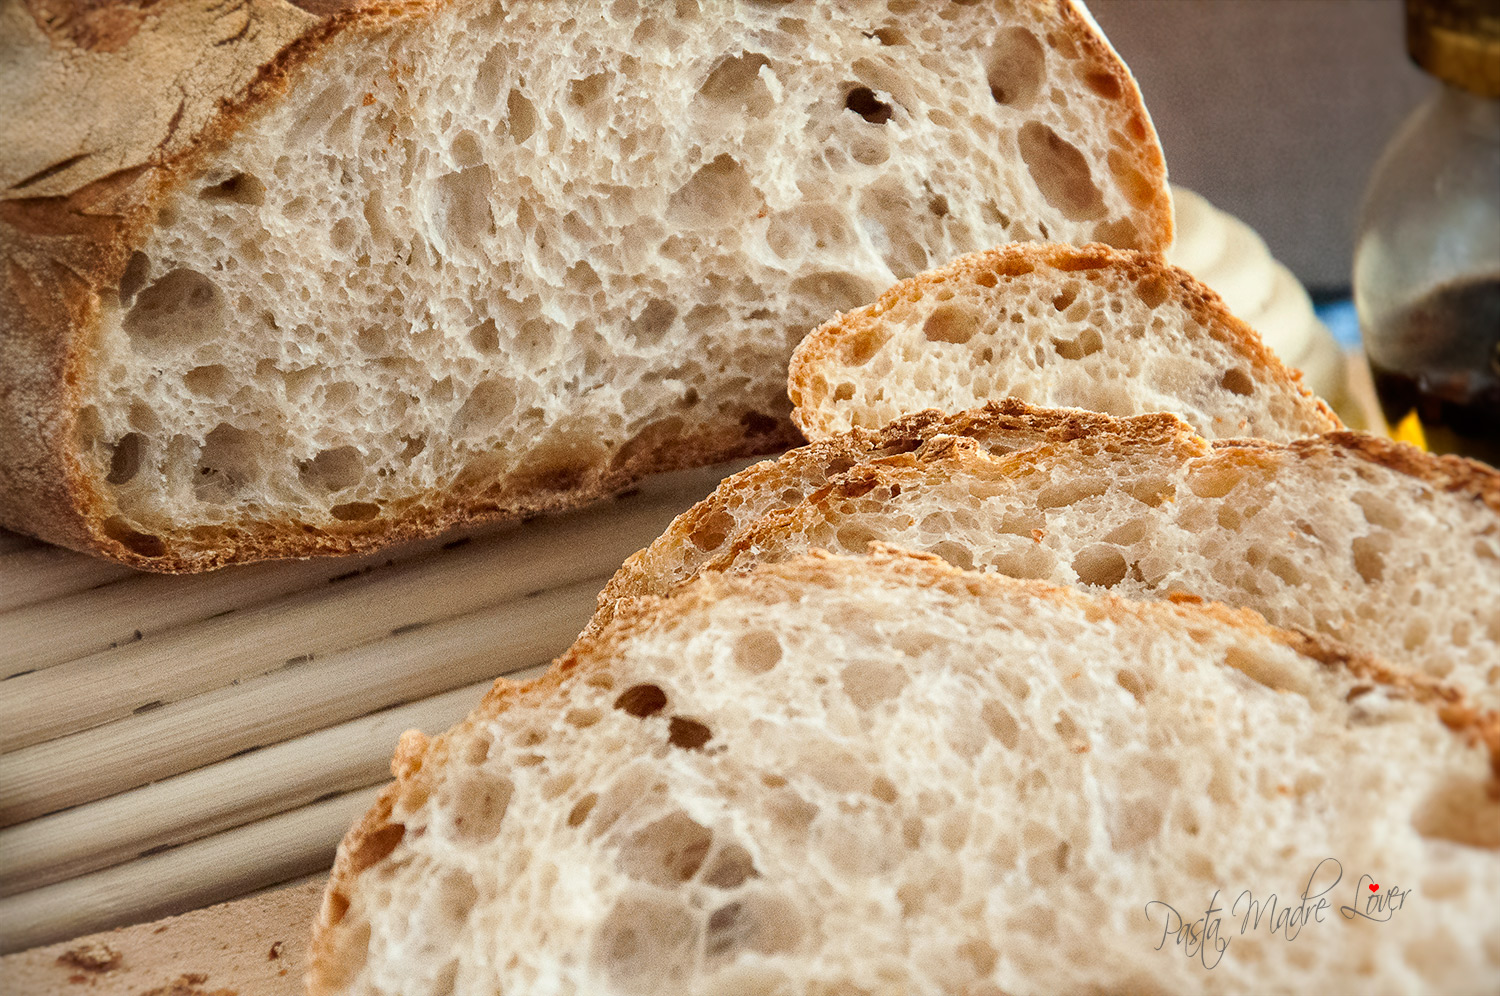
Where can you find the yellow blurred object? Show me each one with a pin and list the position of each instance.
(1410, 431)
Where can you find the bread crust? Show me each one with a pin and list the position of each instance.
(821, 348)
(67, 232)
(416, 758)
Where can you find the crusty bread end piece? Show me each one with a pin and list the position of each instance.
(883, 775)
(354, 278)
(1113, 331)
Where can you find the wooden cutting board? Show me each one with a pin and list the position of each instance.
(251, 947)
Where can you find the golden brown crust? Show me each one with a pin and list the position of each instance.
(822, 347)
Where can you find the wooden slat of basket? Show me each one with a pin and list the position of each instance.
(219, 796)
(206, 728)
(195, 659)
(92, 619)
(35, 574)
(210, 870)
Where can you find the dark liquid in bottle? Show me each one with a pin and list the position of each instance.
(1441, 358)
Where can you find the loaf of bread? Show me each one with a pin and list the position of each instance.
(1107, 330)
(279, 284)
(883, 775)
(1390, 550)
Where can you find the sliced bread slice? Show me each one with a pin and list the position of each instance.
(716, 524)
(322, 283)
(884, 775)
(1391, 551)
(1111, 331)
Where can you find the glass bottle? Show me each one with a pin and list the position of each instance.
(1427, 254)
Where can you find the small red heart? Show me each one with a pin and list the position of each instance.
(1374, 887)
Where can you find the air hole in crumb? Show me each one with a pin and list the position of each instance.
(479, 802)
(211, 381)
(1236, 381)
(522, 116)
(355, 511)
(642, 700)
(134, 277)
(1065, 297)
(735, 80)
(182, 308)
(870, 682)
(1153, 290)
(477, 751)
(375, 846)
(729, 868)
(689, 734)
(583, 717)
(1089, 342)
(343, 235)
(239, 188)
(485, 337)
(587, 90)
(1463, 811)
(581, 809)
(484, 410)
(757, 922)
(857, 349)
(335, 469)
(646, 944)
(467, 150)
(125, 463)
(229, 460)
(843, 392)
(1100, 566)
(1016, 66)
(1105, 84)
(145, 544)
(712, 531)
(758, 423)
(1369, 558)
(1132, 683)
(757, 651)
(648, 328)
(862, 101)
(1001, 723)
(667, 852)
(1060, 172)
(719, 193)
(950, 323)
(1069, 492)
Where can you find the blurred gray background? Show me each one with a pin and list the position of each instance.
(1275, 110)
